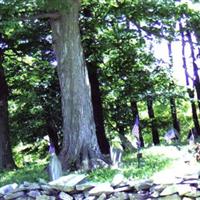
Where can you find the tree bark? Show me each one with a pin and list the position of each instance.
(98, 110)
(172, 99)
(80, 147)
(154, 129)
(189, 90)
(174, 114)
(195, 68)
(135, 112)
(194, 111)
(6, 160)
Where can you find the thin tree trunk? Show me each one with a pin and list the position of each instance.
(98, 110)
(80, 147)
(154, 129)
(174, 114)
(135, 112)
(189, 90)
(194, 111)
(195, 68)
(6, 160)
(172, 99)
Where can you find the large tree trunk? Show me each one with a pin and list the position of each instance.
(98, 110)
(154, 129)
(6, 160)
(80, 147)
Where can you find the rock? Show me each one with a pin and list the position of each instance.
(120, 195)
(25, 198)
(67, 183)
(171, 189)
(78, 196)
(64, 188)
(72, 180)
(45, 197)
(190, 182)
(102, 197)
(155, 194)
(170, 197)
(46, 187)
(193, 176)
(33, 193)
(187, 198)
(65, 196)
(13, 195)
(90, 198)
(26, 184)
(183, 189)
(135, 196)
(33, 186)
(125, 189)
(193, 193)
(144, 185)
(8, 188)
(157, 188)
(101, 188)
(85, 186)
(117, 180)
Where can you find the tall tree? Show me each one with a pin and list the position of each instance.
(172, 99)
(154, 130)
(90, 45)
(80, 146)
(189, 90)
(6, 160)
(97, 108)
(196, 78)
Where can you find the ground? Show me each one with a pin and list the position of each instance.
(184, 161)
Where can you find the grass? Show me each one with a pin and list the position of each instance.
(31, 173)
(150, 164)
(154, 159)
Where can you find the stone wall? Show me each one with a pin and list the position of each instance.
(77, 187)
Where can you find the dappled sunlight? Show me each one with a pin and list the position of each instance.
(167, 151)
(149, 165)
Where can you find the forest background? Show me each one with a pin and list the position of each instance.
(119, 38)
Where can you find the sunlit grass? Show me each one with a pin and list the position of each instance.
(154, 159)
(150, 163)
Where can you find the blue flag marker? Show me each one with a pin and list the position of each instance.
(136, 134)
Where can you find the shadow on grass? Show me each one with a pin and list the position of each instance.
(31, 173)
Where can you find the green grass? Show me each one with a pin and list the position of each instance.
(149, 165)
(31, 173)
(153, 160)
